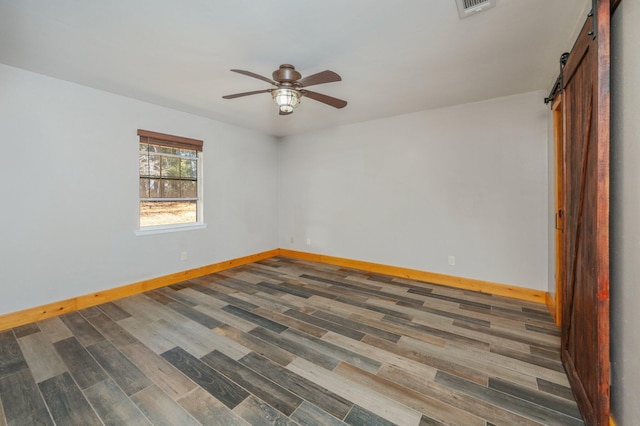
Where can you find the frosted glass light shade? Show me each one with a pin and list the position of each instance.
(287, 99)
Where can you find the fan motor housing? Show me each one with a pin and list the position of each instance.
(286, 74)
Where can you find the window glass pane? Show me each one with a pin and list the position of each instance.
(168, 150)
(188, 153)
(144, 188)
(154, 188)
(170, 188)
(144, 165)
(144, 148)
(154, 165)
(170, 167)
(189, 189)
(189, 168)
(153, 213)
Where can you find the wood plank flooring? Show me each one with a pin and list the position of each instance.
(287, 342)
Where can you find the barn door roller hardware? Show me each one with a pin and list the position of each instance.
(594, 21)
(557, 87)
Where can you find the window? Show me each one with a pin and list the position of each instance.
(170, 183)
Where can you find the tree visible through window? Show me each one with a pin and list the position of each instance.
(169, 179)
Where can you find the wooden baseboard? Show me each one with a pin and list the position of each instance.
(432, 277)
(38, 313)
(551, 305)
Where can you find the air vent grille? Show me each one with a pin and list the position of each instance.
(473, 3)
(471, 7)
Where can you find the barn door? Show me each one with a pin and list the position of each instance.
(585, 312)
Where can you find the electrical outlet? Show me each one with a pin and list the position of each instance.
(183, 255)
(452, 260)
(291, 240)
(308, 241)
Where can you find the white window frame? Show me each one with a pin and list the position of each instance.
(177, 227)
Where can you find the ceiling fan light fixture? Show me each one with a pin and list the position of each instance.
(290, 87)
(286, 98)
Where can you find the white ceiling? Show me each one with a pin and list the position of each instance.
(394, 56)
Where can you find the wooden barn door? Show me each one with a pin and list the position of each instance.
(585, 312)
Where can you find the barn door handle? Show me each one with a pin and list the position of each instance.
(559, 217)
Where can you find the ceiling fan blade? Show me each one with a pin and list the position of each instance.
(329, 100)
(254, 75)
(238, 95)
(320, 78)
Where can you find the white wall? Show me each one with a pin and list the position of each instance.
(68, 191)
(625, 213)
(468, 181)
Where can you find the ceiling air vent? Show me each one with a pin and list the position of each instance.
(471, 7)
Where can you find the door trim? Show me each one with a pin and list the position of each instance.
(558, 136)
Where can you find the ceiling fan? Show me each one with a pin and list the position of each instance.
(290, 87)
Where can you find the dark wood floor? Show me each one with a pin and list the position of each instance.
(286, 341)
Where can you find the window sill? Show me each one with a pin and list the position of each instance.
(163, 229)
